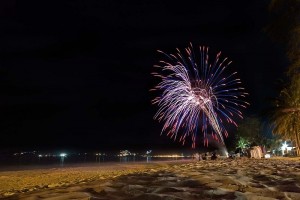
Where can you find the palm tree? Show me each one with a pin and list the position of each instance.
(286, 116)
(243, 143)
(285, 28)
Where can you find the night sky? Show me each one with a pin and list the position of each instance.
(76, 74)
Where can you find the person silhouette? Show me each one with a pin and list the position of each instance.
(213, 156)
(204, 156)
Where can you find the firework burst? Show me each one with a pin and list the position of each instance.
(197, 96)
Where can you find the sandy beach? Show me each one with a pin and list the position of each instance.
(220, 179)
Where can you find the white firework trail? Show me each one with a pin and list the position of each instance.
(196, 95)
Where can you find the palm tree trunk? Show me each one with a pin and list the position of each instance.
(297, 136)
(297, 144)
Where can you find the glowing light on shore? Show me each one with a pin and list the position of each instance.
(148, 152)
(170, 156)
(197, 95)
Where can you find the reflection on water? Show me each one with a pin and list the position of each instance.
(148, 158)
(67, 160)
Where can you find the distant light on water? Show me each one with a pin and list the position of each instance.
(170, 156)
(63, 155)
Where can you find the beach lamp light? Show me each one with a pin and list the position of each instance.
(284, 147)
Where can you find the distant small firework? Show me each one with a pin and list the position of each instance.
(197, 94)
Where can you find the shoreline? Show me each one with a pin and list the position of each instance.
(25, 167)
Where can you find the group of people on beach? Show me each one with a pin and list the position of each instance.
(253, 152)
(206, 156)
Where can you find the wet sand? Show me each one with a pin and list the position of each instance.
(221, 179)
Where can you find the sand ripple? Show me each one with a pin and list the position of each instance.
(265, 179)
